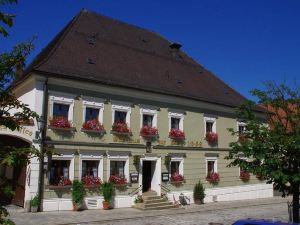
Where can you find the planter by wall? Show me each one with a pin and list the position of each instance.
(71, 129)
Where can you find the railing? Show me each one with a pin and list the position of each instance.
(164, 188)
(135, 190)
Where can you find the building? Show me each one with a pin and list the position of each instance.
(100, 69)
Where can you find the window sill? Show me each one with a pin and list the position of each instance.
(71, 129)
(55, 187)
(101, 132)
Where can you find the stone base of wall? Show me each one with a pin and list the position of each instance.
(59, 204)
(229, 193)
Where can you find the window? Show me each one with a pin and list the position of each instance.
(90, 168)
(60, 110)
(210, 124)
(117, 168)
(175, 123)
(211, 165)
(176, 120)
(120, 116)
(91, 113)
(241, 128)
(175, 167)
(147, 120)
(59, 169)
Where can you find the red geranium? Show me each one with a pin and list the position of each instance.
(175, 177)
(64, 181)
(148, 131)
(176, 134)
(213, 178)
(212, 137)
(120, 127)
(90, 180)
(60, 122)
(118, 180)
(93, 125)
(244, 175)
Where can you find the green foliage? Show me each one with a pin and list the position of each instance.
(78, 192)
(107, 190)
(6, 18)
(34, 202)
(199, 191)
(272, 146)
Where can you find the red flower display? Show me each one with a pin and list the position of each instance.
(94, 125)
(117, 180)
(91, 181)
(148, 131)
(62, 181)
(176, 134)
(175, 177)
(213, 178)
(212, 137)
(60, 122)
(120, 127)
(244, 175)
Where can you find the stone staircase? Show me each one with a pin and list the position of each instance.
(154, 202)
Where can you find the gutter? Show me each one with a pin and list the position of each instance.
(42, 143)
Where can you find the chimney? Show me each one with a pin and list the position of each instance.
(175, 46)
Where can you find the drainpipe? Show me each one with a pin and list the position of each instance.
(42, 139)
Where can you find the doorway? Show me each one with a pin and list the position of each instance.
(147, 175)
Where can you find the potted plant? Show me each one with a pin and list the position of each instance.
(107, 192)
(34, 204)
(244, 175)
(118, 180)
(60, 123)
(211, 137)
(91, 181)
(199, 193)
(213, 178)
(149, 132)
(121, 128)
(92, 126)
(177, 134)
(177, 178)
(77, 195)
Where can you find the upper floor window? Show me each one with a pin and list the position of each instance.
(176, 120)
(175, 123)
(148, 116)
(241, 128)
(91, 114)
(121, 113)
(210, 124)
(120, 117)
(93, 109)
(61, 110)
(147, 120)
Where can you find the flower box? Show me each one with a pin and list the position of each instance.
(211, 137)
(93, 126)
(120, 129)
(91, 181)
(118, 181)
(60, 122)
(213, 178)
(61, 182)
(176, 178)
(149, 132)
(71, 129)
(244, 176)
(177, 134)
(101, 132)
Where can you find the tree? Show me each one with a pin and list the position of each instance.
(13, 113)
(272, 144)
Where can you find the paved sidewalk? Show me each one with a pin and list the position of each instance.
(119, 215)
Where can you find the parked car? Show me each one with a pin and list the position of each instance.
(261, 222)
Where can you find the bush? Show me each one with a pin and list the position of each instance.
(199, 192)
(35, 201)
(78, 192)
(107, 191)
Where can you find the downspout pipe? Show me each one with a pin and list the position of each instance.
(42, 143)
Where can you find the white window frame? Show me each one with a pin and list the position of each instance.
(123, 107)
(62, 98)
(66, 156)
(151, 112)
(177, 115)
(181, 164)
(242, 158)
(215, 159)
(213, 120)
(240, 124)
(91, 156)
(95, 103)
(119, 158)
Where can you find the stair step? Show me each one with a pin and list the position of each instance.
(151, 197)
(160, 207)
(160, 204)
(149, 201)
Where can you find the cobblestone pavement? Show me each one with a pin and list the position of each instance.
(221, 212)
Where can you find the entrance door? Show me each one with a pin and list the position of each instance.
(19, 187)
(147, 175)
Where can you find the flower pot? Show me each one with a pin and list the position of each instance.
(34, 209)
(76, 206)
(105, 205)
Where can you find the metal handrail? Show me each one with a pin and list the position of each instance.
(135, 190)
(165, 188)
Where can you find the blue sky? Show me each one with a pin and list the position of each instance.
(243, 42)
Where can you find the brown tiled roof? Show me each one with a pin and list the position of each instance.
(96, 48)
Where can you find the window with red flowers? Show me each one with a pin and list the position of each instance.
(90, 168)
(117, 168)
(60, 172)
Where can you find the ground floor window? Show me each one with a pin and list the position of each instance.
(60, 172)
(176, 170)
(90, 168)
(211, 166)
(175, 167)
(117, 168)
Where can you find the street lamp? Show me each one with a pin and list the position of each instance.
(40, 125)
